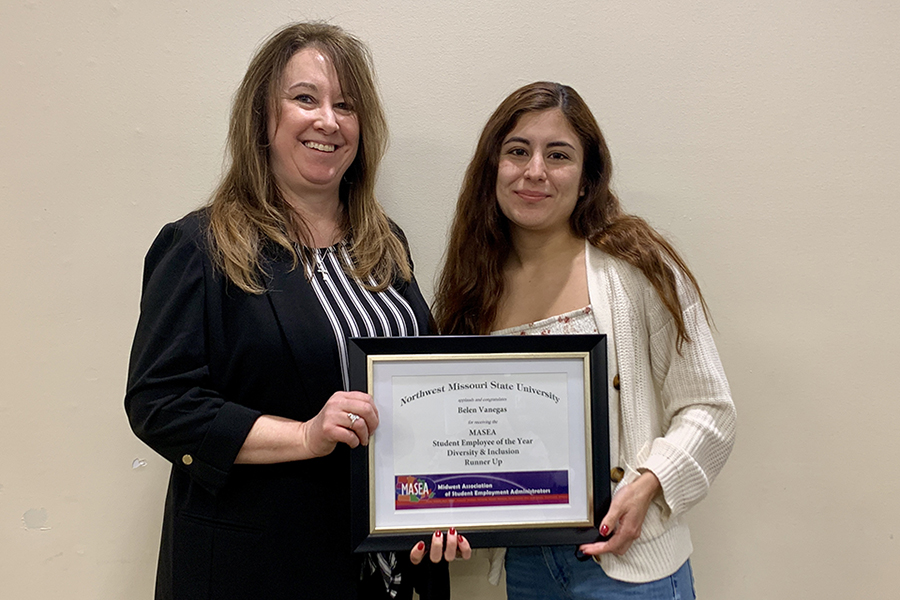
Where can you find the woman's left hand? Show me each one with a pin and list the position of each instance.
(449, 546)
(626, 516)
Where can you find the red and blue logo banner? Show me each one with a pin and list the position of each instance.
(481, 489)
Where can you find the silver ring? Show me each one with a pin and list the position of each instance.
(353, 418)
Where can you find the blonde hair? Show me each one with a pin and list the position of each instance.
(247, 211)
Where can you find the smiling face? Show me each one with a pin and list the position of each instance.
(313, 129)
(539, 176)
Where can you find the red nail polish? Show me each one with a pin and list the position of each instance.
(420, 546)
(437, 533)
(461, 538)
(452, 531)
(604, 530)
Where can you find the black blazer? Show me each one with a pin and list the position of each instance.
(207, 360)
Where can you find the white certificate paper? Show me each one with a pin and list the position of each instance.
(480, 439)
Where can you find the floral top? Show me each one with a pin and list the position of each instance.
(580, 321)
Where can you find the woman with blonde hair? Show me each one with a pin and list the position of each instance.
(541, 245)
(238, 373)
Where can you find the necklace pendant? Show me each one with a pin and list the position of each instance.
(321, 267)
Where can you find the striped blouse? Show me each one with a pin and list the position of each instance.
(352, 310)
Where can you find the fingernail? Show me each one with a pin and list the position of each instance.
(604, 530)
(461, 538)
(437, 533)
(452, 531)
(420, 546)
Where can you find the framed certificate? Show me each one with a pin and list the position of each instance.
(505, 438)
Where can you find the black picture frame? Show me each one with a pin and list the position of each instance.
(363, 352)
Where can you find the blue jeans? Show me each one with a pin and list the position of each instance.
(553, 573)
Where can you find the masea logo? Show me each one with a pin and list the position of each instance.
(414, 489)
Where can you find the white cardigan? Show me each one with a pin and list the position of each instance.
(672, 414)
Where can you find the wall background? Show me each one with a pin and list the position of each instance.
(762, 139)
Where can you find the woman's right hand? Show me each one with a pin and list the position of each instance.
(335, 424)
(449, 546)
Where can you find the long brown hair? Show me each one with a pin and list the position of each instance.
(247, 210)
(471, 284)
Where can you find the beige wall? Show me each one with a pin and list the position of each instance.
(762, 137)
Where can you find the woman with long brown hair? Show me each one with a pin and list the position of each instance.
(540, 245)
(238, 372)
